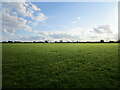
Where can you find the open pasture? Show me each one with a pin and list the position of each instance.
(60, 65)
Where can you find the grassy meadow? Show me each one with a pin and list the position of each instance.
(60, 65)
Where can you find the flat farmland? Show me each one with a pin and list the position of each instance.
(60, 65)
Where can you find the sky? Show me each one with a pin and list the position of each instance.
(54, 21)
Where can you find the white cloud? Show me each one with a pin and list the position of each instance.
(23, 38)
(12, 23)
(40, 17)
(14, 14)
(74, 22)
(22, 8)
(78, 18)
(35, 23)
(103, 29)
(9, 31)
(34, 7)
(81, 34)
(18, 7)
(73, 34)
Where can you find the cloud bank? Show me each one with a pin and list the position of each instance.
(74, 34)
(14, 16)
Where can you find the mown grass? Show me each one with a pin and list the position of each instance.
(60, 65)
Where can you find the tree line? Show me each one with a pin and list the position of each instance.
(61, 41)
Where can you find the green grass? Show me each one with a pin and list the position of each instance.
(60, 65)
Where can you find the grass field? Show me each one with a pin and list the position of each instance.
(60, 65)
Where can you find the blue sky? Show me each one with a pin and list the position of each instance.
(60, 20)
(91, 13)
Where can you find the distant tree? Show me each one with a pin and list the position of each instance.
(68, 41)
(102, 41)
(111, 41)
(10, 41)
(33, 41)
(61, 41)
(119, 41)
(55, 41)
(4, 42)
(46, 41)
(17, 41)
